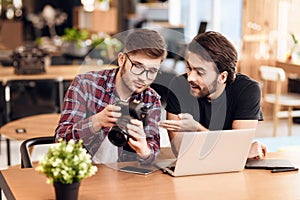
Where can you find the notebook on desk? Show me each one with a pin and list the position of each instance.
(210, 152)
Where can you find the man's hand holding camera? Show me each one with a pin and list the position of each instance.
(125, 128)
(106, 118)
(137, 139)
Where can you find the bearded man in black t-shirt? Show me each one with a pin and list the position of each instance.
(211, 95)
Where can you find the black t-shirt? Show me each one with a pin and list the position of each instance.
(239, 101)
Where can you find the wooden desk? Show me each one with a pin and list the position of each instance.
(60, 72)
(111, 184)
(289, 67)
(35, 126)
(64, 72)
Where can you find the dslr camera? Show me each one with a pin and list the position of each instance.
(133, 110)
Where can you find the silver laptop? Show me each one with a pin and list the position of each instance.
(210, 152)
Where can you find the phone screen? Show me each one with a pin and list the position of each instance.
(20, 130)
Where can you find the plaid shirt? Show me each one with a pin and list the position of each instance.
(89, 94)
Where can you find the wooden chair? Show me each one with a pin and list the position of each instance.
(276, 76)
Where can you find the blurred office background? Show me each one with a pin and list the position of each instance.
(260, 30)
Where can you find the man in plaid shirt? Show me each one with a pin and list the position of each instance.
(90, 111)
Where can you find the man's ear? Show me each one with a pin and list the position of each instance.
(223, 77)
(121, 59)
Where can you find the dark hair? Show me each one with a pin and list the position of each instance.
(214, 47)
(148, 42)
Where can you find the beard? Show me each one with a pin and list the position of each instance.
(132, 85)
(125, 78)
(200, 92)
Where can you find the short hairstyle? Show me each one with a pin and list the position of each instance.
(214, 47)
(148, 42)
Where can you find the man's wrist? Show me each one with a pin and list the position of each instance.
(148, 159)
(201, 128)
(145, 153)
(198, 126)
(95, 123)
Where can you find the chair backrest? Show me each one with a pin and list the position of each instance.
(269, 73)
(25, 152)
(274, 75)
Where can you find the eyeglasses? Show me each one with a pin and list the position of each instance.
(138, 69)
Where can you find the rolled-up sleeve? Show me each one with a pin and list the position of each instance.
(75, 122)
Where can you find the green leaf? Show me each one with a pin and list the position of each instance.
(66, 162)
(294, 38)
(75, 35)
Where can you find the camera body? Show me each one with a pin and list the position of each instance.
(133, 110)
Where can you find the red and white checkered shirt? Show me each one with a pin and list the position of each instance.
(89, 94)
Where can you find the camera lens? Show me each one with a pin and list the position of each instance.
(117, 136)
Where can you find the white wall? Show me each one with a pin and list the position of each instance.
(222, 16)
(288, 22)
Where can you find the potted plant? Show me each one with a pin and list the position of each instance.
(104, 47)
(65, 165)
(76, 42)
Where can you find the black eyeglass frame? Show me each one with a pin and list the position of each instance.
(144, 70)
